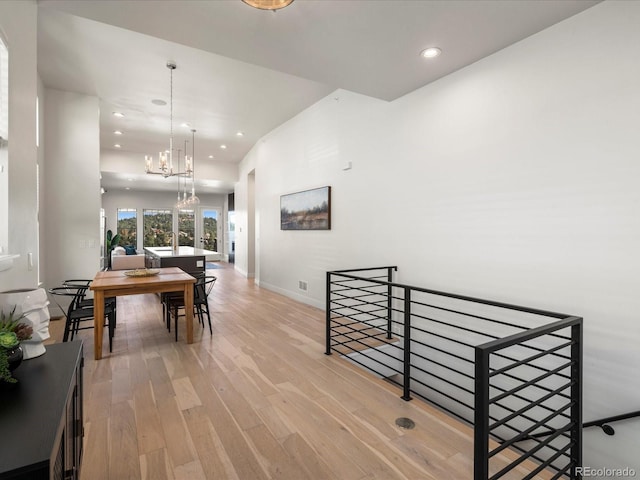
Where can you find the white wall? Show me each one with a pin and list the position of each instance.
(72, 186)
(514, 179)
(18, 22)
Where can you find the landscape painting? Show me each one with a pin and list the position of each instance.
(308, 210)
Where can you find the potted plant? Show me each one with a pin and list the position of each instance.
(111, 243)
(12, 332)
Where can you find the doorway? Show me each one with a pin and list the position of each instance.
(209, 234)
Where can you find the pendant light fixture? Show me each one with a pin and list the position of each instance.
(190, 165)
(188, 202)
(272, 5)
(165, 159)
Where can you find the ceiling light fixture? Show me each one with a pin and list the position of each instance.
(118, 114)
(239, 134)
(224, 147)
(165, 159)
(117, 145)
(193, 200)
(117, 132)
(431, 52)
(272, 5)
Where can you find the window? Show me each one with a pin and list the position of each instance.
(186, 228)
(128, 226)
(157, 228)
(210, 229)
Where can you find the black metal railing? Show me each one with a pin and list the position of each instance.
(510, 371)
(603, 423)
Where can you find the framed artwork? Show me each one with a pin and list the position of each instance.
(307, 210)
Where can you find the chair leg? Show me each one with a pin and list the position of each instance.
(68, 329)
(115, 312)
(200, 315)
(175, 312)
(111, 325)
(209, 318)
(75, 328)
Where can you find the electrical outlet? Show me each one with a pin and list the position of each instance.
(302, 285)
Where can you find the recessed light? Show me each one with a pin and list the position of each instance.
(157, 101)
(185, 124)
(127, 188)
(431, 52)
(223, 147)
(118, 114)
(117, 145)
(117, 132)
(130, 179)
(210, 156)
(240, 134)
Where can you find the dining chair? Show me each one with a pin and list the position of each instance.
(175, 298)
(201, 290)
(88, 302)
(75, 313)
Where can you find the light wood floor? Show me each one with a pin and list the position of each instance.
(257, 400)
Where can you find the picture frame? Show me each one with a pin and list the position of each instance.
(306, 210)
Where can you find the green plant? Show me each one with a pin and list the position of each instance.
(12, 332)
(112, 241)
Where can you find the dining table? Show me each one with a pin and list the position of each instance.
(115, 283)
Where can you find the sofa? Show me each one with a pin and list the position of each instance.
(120, 260)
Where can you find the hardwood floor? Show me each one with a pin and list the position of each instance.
(257, 400)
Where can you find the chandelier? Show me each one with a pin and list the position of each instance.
(165, 159)
(272, 5)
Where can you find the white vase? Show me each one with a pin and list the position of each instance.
(34, 305)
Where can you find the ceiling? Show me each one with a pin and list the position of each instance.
(240, 69)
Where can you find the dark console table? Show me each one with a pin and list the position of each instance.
(41, 419)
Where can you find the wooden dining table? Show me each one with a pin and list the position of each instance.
(114, 283)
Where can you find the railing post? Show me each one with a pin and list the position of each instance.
(389, 299)
(576, 399)
(407, 344)
(328, 315)
(481, 416)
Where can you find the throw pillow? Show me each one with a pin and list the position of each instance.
(130, 249)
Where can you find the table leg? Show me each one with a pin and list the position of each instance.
(98, 323)
(188, 310)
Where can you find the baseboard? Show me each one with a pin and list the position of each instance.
(242, 272)
(294, 295)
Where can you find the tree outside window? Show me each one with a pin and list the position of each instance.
(210, 230)
(186, 228)
(157, 226)
(128, 226)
